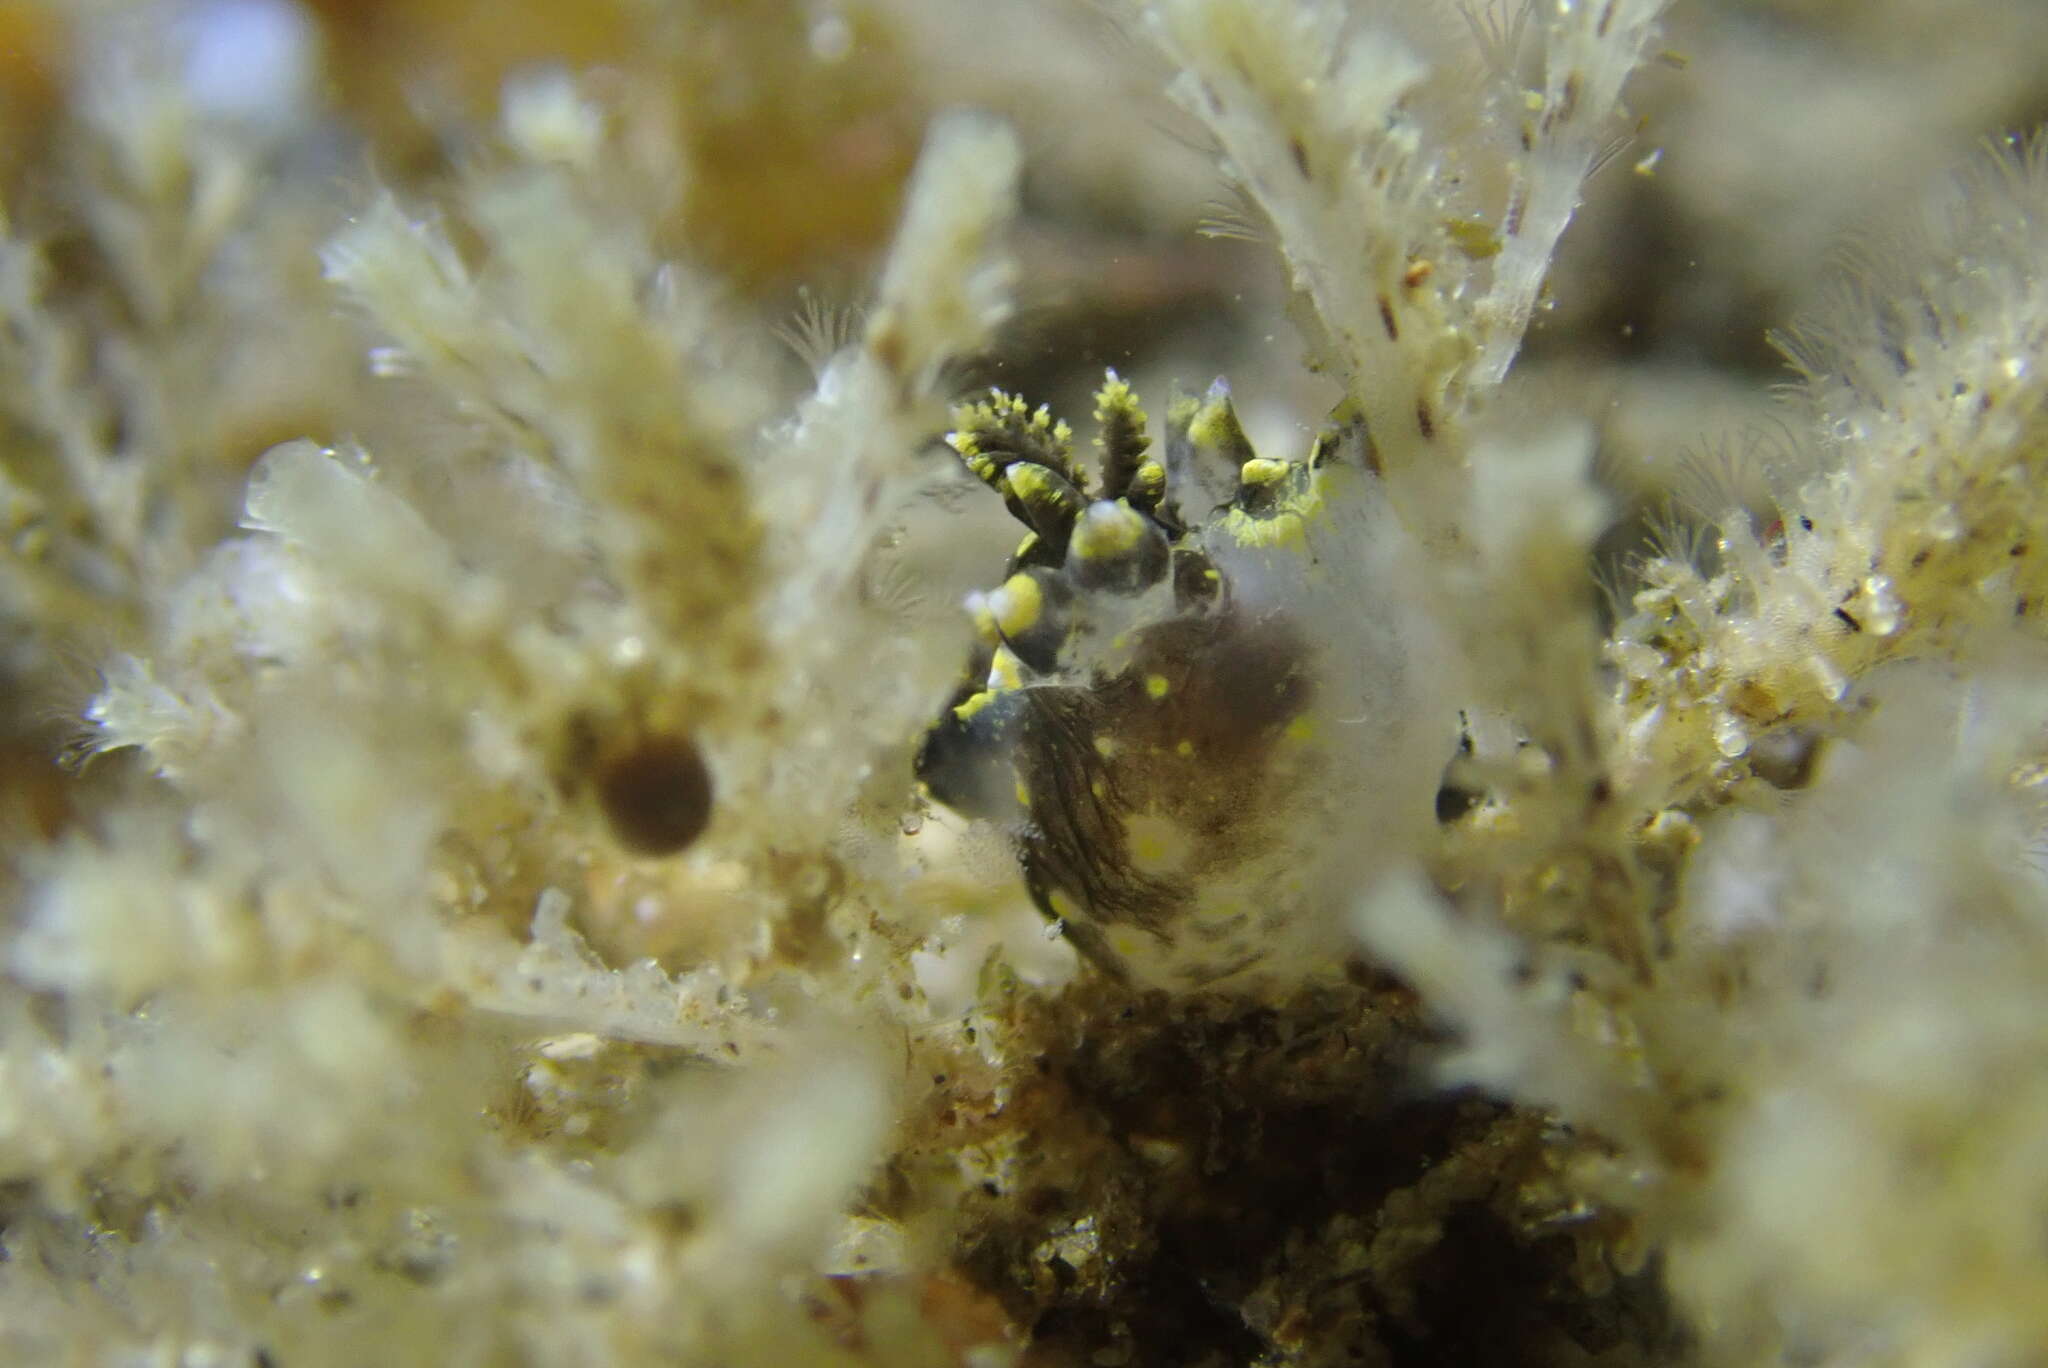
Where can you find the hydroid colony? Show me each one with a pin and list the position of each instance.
(547, 893)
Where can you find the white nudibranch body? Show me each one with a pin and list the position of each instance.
(1203, 725)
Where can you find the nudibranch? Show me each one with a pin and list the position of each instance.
(1200, 700)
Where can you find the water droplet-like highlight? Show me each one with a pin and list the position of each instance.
(1731, 738)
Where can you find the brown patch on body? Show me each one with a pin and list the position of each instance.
(1185, 735)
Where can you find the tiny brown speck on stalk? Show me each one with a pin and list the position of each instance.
(655, 794)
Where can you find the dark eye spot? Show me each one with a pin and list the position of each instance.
(1453, 802)
(656, 794)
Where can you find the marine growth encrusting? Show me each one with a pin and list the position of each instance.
(539, 887)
